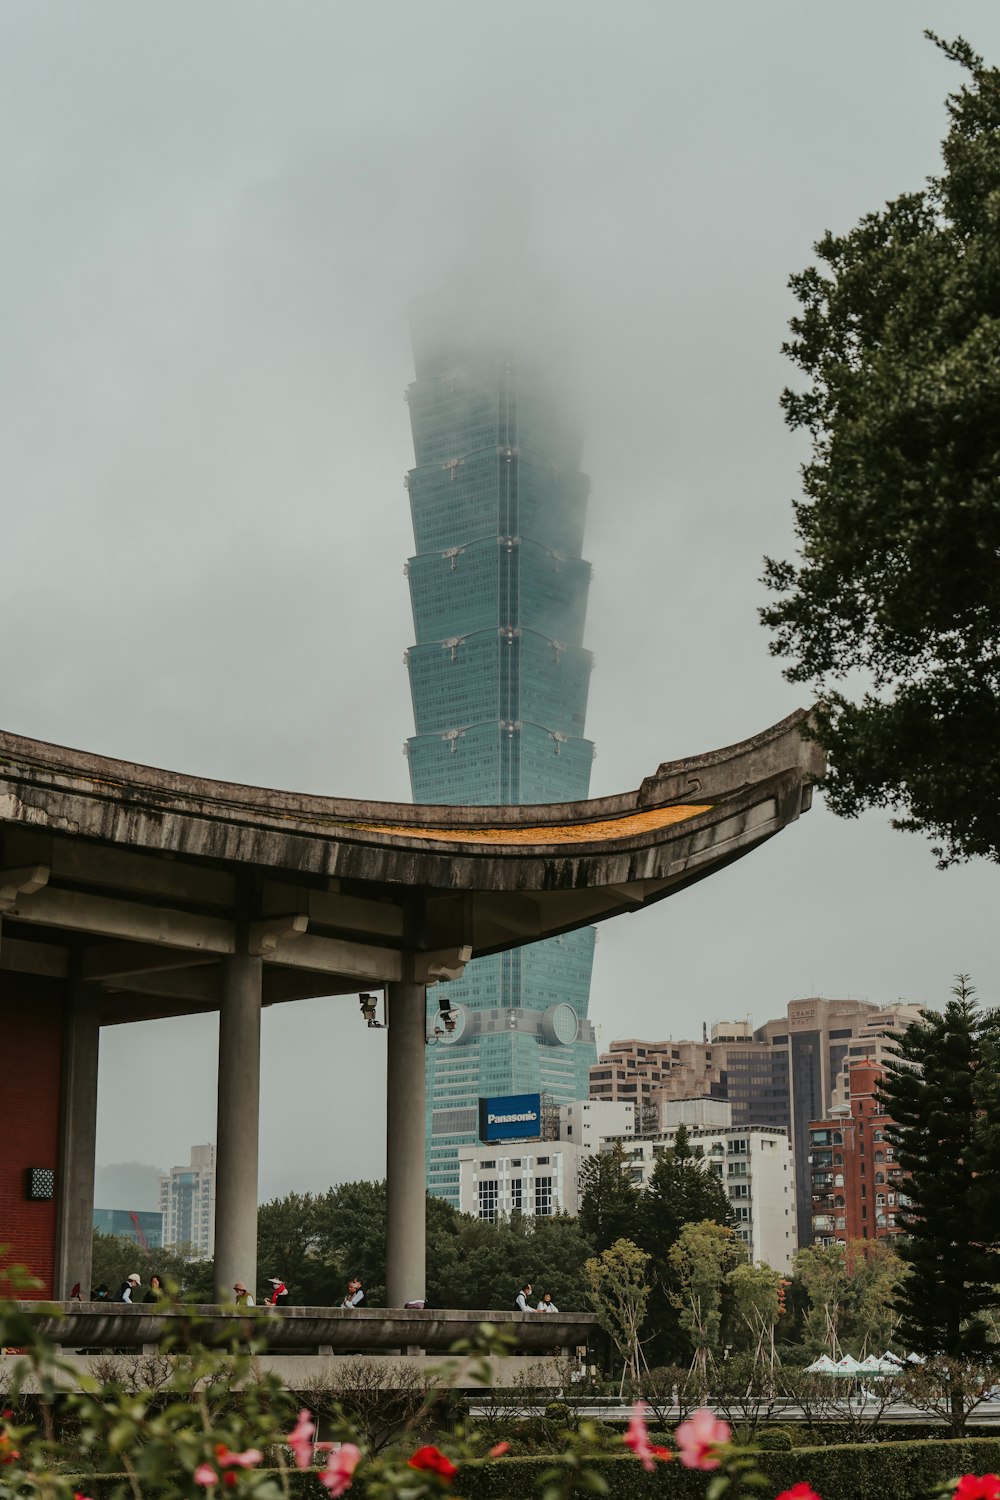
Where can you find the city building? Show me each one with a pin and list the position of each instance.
(534, 1175)
(753, 1162)
(499, 679)
(856, 1180)
(782, 1075)
(187, 1203)
(141, 1225)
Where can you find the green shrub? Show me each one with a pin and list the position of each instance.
(775, 1440)
(902, 1471)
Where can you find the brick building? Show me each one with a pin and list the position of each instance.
(856, 1181)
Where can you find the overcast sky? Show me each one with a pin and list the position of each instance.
(214, 219)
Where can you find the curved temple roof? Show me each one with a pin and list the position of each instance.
(143, 874)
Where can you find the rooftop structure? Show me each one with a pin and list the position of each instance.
(128, 893)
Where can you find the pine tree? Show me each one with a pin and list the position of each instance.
(951, 1244)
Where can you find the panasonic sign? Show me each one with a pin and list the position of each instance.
(513, 1117)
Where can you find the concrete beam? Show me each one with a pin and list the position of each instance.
(354, 914)
(445, 964)
(108, 961)
(23, 957)
(78, 911)
(363, 961)
(148, 874)
(200, 983)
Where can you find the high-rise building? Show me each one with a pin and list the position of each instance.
(753, 1163)
(858, 1185)
(784, 1075)
(187, 1202)
(141, 1225)
(499, 679)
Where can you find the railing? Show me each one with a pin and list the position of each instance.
(116, 1325)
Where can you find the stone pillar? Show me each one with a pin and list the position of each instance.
(405, 1170)
(238, 1121)
(78, 1142)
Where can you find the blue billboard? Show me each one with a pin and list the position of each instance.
(512, 1117)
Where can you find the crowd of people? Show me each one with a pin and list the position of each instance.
(354, 1297)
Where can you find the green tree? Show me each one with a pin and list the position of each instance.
(682, 1189)
(608, 1198)
(895, 586)
(701, 1261)
(756, 1292)
(619, 1291)
(951, 1245)
(476, 1264)
(116, 1256)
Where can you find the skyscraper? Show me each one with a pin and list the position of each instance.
(499, 679)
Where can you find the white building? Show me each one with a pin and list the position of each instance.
(536, 1177)
(187, 1200)
(753, 1162)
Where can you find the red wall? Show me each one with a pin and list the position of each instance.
(30, 1050)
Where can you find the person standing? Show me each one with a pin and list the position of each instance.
(521, 1300)
(279, 1293)
(243, 1297)
(355, 1293)
(157, 1291)
(546, 1304)
(128, 1288)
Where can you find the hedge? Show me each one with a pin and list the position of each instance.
(892, 1471)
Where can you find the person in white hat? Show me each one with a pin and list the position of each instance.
(129, 1286)
(279, 1292)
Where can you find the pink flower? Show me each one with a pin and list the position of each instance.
(499, 1449)
(340, 1467)
(800, 1491)
(699, 1436)
(206, 1475)
(978, 1487)
(300, 1439)
(227, 1459)
(637, 1438)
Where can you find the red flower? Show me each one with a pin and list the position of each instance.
(227, 1459)
(434, 1461)
(8, 1452)
(499, 1449)
(978, 1487)
(800, 1491)
(229, 1480)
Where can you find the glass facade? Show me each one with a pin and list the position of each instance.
(499, 678)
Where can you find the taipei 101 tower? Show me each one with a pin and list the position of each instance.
(499, 677)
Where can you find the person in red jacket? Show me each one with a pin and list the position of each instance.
(279, 1293)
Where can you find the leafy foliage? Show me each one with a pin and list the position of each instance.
(898, 339)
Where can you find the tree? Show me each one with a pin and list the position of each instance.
(682, 1189)
(702, 1259)
(851, 1294)
(951, 1245)
(116, 1256)
(616, 1280)
(899, 530)
(608, 1198)
(757, 1293)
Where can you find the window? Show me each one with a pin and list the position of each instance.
(516, 1199)
(488, 1200)
(484, 1166)
(543, 1196)
(543, 1161)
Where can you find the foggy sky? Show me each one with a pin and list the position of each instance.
(215, 218)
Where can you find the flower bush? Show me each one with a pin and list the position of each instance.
(216, 1424)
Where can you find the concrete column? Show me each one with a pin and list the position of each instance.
(238, 1121)
(405, 1168)
(78, 1143)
